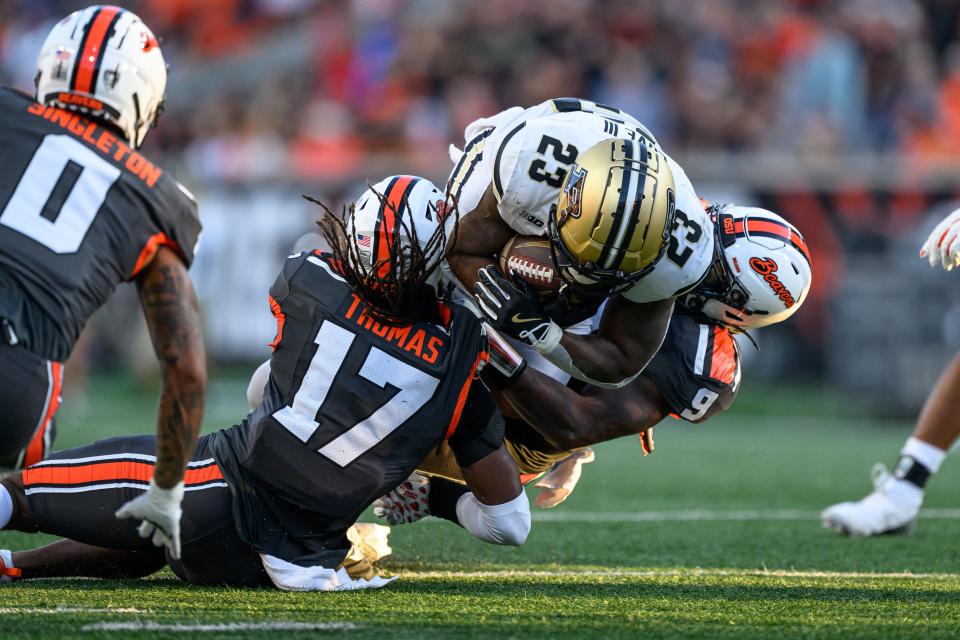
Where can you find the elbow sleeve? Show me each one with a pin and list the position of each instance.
(507, 523)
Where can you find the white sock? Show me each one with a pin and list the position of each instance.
(925, 453)
(6, 507)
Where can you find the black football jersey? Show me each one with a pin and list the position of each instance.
(80, 212)
(697, 369)
(351, 407)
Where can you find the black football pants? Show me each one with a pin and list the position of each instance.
(75, 493)
(29, 398)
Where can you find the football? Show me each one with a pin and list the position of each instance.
(529, 258)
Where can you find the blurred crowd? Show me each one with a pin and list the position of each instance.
(404, 77)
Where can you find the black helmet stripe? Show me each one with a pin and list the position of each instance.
(634, 218)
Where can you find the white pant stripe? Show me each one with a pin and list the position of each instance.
(112, 485)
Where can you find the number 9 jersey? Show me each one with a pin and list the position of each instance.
(525, 154)
(80, 212)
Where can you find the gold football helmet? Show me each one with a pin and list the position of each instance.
(613, 218)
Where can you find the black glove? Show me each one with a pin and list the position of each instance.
(511, 305)
(570, 306)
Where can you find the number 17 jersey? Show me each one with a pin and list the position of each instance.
(351, 407)
(80, 213)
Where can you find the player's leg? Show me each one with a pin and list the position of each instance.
(895, 502)
(29, 397)
(69, 558)
(76, 493)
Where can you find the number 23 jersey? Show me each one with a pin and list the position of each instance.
(80, 213)
(526, 153)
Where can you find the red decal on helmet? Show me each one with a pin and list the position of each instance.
(148, 41)
(92, 47)
(767, 268)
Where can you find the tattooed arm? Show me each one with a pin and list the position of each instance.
(170, 306)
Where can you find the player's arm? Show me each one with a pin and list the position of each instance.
(480, 234)
(173, 317)
(493, 506)
(571, 420)
(629, 336)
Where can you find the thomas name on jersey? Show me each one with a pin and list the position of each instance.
(104, 141)
(414, 342)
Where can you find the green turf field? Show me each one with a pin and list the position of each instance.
(715, 535)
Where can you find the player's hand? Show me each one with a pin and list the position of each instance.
(407, 503)
(159, 509)
(943, 245)
(646, 441)
(570, 306)
(557, 485)
(512, 306)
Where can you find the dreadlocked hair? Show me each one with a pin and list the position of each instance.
(394, 289)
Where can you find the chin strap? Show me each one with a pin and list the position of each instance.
(551, 349)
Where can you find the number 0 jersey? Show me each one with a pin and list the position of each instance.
(80, 212)
(351, 407)
(526, 153)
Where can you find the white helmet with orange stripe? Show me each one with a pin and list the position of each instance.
(411, 206)
(760, 273)
(104, 62)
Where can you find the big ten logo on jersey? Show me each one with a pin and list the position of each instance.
(424, 342)
(106, 142)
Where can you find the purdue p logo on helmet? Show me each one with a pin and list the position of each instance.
(614, 214)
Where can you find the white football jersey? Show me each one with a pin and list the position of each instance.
(526, 153)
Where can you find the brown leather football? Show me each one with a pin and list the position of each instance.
(529, 258)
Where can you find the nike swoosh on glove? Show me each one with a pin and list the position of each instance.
(159, 509)
(512, 306)
(943, 245)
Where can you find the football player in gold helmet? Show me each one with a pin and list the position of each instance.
(623, 220)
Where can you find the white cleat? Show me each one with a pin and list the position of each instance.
(879, 513)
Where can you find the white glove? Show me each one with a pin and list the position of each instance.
(407, 503)
(291, 577)
(160, 511)
(943, 245)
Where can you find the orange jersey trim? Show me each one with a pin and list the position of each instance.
(35, 450)
(281, 319)
(483, 356)
(723, 363)
(94, 43)
(150, 249)
(110, 472)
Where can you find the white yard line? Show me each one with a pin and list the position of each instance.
(681, 573)
(220, 628)
(59, 610)
(561, 515)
